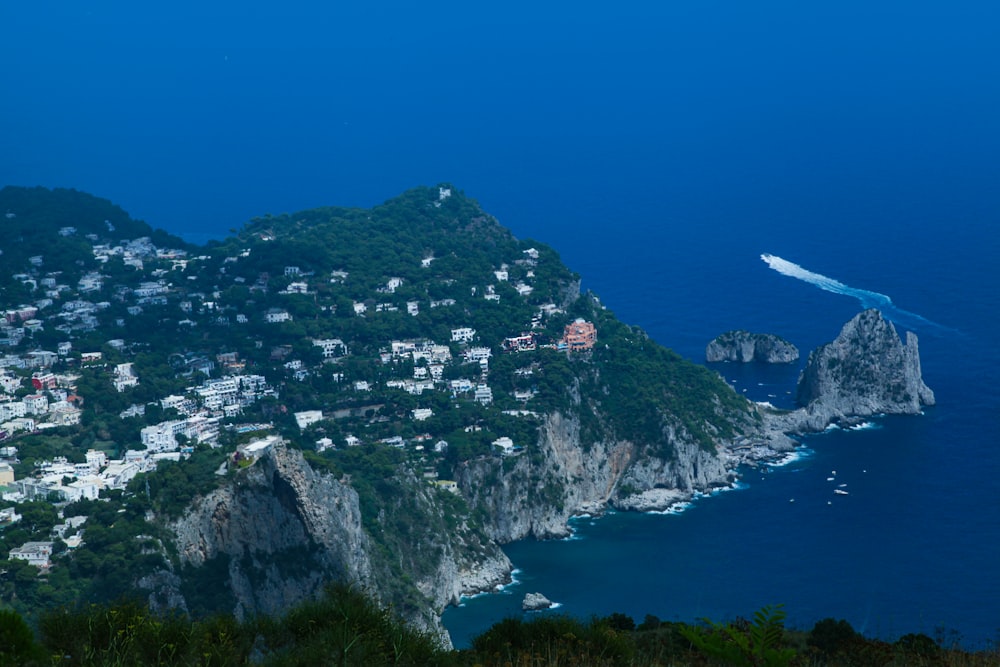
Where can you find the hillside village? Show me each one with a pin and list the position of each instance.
(189, 348)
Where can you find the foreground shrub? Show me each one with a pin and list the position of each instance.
(17, 643)
(830, 636)
(345, 627)
(553, 640)
(745, 643)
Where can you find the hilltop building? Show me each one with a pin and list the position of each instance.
(580, 335)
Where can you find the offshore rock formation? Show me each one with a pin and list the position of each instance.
(743, 346)
(535, 602)
(866, 371)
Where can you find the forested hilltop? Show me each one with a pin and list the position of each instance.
(374, 396)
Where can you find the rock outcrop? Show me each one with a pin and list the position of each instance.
(867, 370)
(743, 346)
(535, 495)
(535, 602)
(282, 530)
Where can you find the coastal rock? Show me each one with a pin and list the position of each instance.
(534, 496)
(281, 530)
(743, 346)
(535, 602)
(867, 370)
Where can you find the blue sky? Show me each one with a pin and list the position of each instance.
(196, 118)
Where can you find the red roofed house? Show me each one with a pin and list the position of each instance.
(580, 335)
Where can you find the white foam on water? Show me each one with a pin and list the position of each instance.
(867, 298)
(865, 426)
(799, 454)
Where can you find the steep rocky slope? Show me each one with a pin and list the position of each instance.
(283, 529)
(867, 370)
(534, 496)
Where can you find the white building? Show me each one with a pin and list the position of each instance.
(505, 445)
(462, 334)
(307, 417)
(35, 553)
(420, 414)
(13, 410)
(461, 385)
(277, 315)
(332, 347)
(162, 437)
(118, 474)
(483, 394)
(96, 459)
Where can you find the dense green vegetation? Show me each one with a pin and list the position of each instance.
(344, 627)
(442, 253)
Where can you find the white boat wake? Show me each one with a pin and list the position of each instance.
(867, 298)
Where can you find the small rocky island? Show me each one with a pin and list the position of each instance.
(535, 602)
(745, 347)
(867, 370)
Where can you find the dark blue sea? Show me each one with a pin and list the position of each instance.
(913, 547)
(661, 148)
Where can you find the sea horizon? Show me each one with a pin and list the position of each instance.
(661, 149)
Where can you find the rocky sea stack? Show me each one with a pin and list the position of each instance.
(744, 346)
(867, 370)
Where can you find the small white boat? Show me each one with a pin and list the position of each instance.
(840, 492)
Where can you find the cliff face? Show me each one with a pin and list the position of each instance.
(534, 494)
(282, 529)
(743, 346)
(866, 370)
(285, 529)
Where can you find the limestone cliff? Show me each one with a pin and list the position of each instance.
(283, 529)
(743, 346)
(867, 370)
(534, 494)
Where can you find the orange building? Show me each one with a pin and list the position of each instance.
(580, 335)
